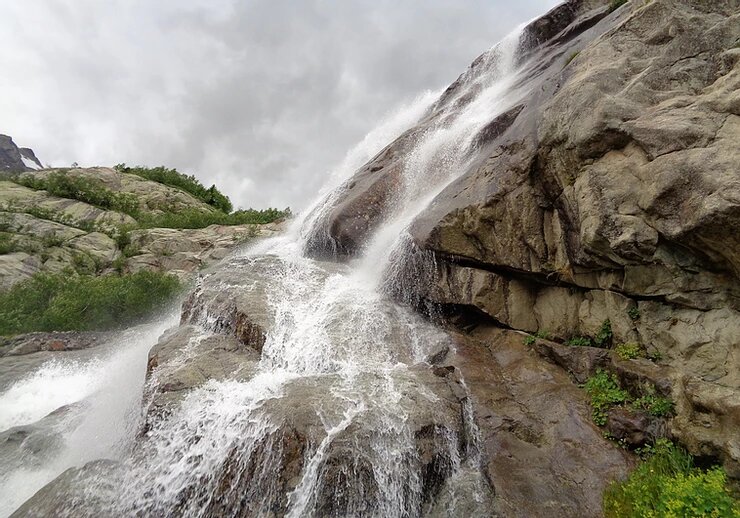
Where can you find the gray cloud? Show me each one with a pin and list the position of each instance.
(261, 97)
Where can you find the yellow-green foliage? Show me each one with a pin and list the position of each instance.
(629, 351)
(667, 485)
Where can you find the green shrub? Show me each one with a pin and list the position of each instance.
(87, 190)
(60, 302)
(668, 485)
(605, 392)
(580, 341)
(604, 336)
(189, 184)
(629, 351)
(529, 340)
(194, 218)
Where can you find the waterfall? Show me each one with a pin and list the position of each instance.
(341, 415)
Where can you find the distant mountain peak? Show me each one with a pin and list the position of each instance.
(16, 160)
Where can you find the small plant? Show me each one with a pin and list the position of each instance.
(629, 351)
(634, 313)
(668, 484)
(119, 264)
(604, 336)
(531, 339)
(605, 392)
(655, 405)
(616, 4)
(580, 341)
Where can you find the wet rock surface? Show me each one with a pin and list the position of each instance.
(610, 193)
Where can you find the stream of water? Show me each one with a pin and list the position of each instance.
(342, 377)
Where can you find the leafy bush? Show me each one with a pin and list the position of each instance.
(60, 302)
(629, 351)
(86, 190)
(605, 392)
(529, 340)
(580, 341)
(667, 484)
(189, 184)
(194, 218)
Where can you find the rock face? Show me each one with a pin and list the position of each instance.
(611, 192)
(14, 159)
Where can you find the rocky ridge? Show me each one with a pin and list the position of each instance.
(50, 234)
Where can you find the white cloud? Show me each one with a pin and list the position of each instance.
(261, 97)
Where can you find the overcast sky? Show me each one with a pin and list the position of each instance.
(260, 97)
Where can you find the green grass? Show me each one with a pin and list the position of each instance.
(634, 313)
(87, 190)
(61, 302)
(189, 184)
(194, 218)
(667, 484)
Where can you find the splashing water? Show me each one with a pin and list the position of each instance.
(341, 415)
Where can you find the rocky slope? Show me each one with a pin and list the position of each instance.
(610, 192)
(50, 234)
(14, 159)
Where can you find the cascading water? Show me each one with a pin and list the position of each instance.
(341, 415)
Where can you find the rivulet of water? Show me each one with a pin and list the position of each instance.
(342, 415)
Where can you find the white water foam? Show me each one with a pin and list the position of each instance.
(338, 350)
(104, 394)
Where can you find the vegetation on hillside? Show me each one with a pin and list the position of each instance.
(65, 301)
(87, 190)
(194, 218)
(187, 183)
(667, 484)
(93, 192)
